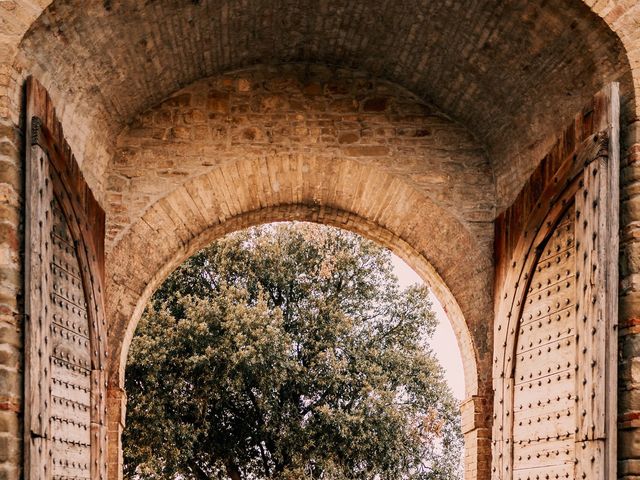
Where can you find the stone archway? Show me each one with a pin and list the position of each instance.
(149, 253)
(515, 76)
(476, 408)
(310, 142)
(300, 135)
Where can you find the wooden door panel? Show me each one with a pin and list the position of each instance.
(561, 472)
(65, 432)
(555, 366)
(545, 349)
(71, 356)
(555, 453)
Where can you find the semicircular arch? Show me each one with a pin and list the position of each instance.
(345, 194)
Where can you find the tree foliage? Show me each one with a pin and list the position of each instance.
(289, 352)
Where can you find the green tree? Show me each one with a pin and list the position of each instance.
(288, 351)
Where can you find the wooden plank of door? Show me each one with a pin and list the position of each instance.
(597, 210)
(37, 303)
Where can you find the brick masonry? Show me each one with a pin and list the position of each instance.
(319, 137)
(321, 113)
(510, 75)
(10, 302)
(629, 322)
(481, 62)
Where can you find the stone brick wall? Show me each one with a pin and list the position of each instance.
(629, 321)
(500, 69)
(449, 259)
(305, 142)
(116, 413)
(10, 268)
(10, 302)
(315, 112)
(311, 136)
(476, 425)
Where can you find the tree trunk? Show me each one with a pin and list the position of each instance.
(233, 471)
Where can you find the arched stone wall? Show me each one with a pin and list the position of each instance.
(307, 136)
(517, 74)
(308, 142)
(199, 212)
(325, 216)
(367, 202)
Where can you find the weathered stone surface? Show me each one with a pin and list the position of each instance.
(166, 145)
(486, 78)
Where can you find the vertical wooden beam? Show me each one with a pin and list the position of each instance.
(609, 251)
(598, 314)
(590, 324)
(37, 287)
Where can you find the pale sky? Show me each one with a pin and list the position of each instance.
(443, 343)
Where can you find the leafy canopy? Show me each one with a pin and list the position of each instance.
(288, 351)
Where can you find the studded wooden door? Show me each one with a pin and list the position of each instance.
(64, 357)
(555, 365)
(544, 407)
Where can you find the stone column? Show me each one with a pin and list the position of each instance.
(629, 304)
(116, 413)
(476, 427)
(11, 320)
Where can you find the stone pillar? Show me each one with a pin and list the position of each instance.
(476, 427)
(11, 379)
(116, 413)
(629, 315)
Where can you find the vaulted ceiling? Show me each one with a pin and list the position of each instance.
(511, 72)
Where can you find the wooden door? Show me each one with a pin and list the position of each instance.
(555, 338)
(544, 407)
(65, 432)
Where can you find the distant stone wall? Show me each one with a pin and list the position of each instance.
(303, 112)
